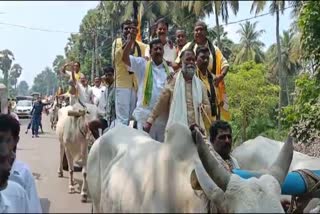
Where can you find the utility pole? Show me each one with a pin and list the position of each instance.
(92, 59)
(96, 55)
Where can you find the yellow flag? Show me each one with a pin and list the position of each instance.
(139, 36)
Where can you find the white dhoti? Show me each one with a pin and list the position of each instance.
(125, 104)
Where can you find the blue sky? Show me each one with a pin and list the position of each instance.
(34, 50)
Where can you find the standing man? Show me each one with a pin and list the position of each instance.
(152, 76)
(106, 106)
(218, 66)
(20, 172)
(185, 98)
(97, 90)
(169, 54)
(13, 197)
(181, 40)
(202, 61)
(74, 66)
(81, 89)
(36, 113)
(125, 83)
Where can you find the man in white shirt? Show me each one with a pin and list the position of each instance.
(13, 198)
(106, 107)
(97, 90)
(152, 76)
(169, 54)
(81, 89)
(20, 173)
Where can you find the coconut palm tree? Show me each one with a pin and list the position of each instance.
(250, 47)
(226, 43)
(150, 10)
(220, 8)
(290, 52)
(275, 8)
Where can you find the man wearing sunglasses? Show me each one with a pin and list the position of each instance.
(221, 141)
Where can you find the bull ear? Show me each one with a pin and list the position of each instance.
(194, 181)
(280, 167)
(214, 169)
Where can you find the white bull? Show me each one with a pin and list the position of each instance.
(73, 135)
(130, 172)
(261, 152)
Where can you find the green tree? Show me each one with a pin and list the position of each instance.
(247, 107)
(250, 47)
(23, 88)
(15, 73)
(276, 8)
(57, 64)
(46, 82)
(226, 43)
(303, 116)
(6, 59)
(291, 64)
(220, 8)
(309, 26)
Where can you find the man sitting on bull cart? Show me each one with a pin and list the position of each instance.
(184, 98)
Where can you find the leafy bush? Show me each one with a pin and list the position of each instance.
(309, 25)
(252, 100)
(303, 117)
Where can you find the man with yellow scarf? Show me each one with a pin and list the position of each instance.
(217, 65)
(152, 76)
(74, 66)
(202, 61)
(125, 79)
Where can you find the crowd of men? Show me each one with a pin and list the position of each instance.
(156, 84)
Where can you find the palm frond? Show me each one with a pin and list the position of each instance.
(257, 6)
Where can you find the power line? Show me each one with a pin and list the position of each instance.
(186, 18)
(254, 17)
(35, 28)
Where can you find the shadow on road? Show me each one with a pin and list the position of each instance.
(45, 205)
(47, 137)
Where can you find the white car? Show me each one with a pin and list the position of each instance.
(23, 108)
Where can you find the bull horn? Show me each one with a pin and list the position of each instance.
(280, 167)
(200, 180)
(214, 169)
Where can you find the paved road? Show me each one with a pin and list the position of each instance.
(42, 155)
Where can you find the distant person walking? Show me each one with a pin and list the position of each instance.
(36, 116)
